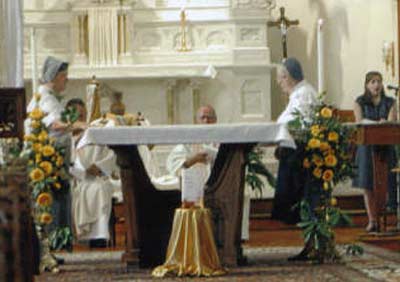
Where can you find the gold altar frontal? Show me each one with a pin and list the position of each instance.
(191, 249)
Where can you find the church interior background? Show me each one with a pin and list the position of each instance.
(228, 60)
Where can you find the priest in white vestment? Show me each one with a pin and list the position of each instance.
(193, 162)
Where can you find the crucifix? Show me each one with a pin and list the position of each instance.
(283, 23)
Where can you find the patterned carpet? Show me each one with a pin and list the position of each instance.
(265, 264)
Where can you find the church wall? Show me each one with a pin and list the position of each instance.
(354, 35)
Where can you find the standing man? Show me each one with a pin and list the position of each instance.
(290, 183)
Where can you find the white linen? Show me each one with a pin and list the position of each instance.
(265, 133)
(301, 99)
(103, 36)
(11, 43)
(193, 178)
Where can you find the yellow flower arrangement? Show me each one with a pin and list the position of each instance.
(46, 166)
(325, 162)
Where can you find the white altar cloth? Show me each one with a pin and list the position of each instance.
(264, 133)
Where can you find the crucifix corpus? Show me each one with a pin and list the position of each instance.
(283, 23)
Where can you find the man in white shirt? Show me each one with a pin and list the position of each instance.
(291, 182)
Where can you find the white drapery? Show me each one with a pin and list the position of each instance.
(103, 36)
(11, 43)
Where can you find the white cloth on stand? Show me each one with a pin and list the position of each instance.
(193, 178)
(11, 43)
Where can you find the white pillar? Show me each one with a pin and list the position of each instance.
(33, 59)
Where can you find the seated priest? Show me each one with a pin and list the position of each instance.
(93, 169)
(193, 162)
(290, 189)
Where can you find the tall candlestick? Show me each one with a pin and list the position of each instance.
(320, 49)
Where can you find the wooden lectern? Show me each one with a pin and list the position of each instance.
(379, 134)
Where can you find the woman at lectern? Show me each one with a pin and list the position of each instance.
(374, 106)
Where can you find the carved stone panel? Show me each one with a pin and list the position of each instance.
(251, 98)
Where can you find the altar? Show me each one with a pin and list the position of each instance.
(149, 212)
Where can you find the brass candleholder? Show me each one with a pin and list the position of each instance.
(183, 47)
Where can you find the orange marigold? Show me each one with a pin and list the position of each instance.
(328, 175)
(36, 175)
(317, 172)
(48, 151)
(45, 218)
(326, 112)
(330, 160)
(333, 136)
(44, 199)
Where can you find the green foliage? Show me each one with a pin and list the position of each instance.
(69, 115)
(61, 238)
(354, 250)
(255, 170)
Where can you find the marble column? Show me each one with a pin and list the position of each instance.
(196, 99)
(170, 95)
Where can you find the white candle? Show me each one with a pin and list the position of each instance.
(33, 60)
(320, 49)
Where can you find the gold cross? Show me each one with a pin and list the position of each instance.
(283, 23)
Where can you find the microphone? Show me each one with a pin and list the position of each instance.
(391, 87)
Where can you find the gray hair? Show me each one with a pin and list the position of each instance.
(51, 68)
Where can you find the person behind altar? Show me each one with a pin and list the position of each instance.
(95, 181)
(290, 188)
(376, 106)
(193, 162)
(53, 83)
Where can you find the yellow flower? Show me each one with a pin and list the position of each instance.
(315, 130)
(36, 175)
(43, 136)
(29, 137)
(326, 112)
(59, 161)
(37, 96)
(44, 199)
(328, 175)
(317, 172)
(324, 146)
(36, 147)
(330, 160)
(48, 151)
(333, 136)
(333, 201)
(47, 167)
(306, 163)
(318, 160)
(36, 114)
(57, 185)
(45, 218)
(38, 158)
(326, 186)
(313, 143)
(35, 124)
